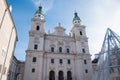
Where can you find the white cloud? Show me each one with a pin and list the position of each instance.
(102, 14)
(46, 4)
(106, 13)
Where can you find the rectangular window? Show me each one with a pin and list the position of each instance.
(80, 32)
(34, 59)
(52, 60)
(60, 61)
(35, 46)
(60, 49)
(69, 61)
(52, 49)
(33, 70)
(85, 62)
(86, 71)
(68, 51)
(83, 50)
(37, 28)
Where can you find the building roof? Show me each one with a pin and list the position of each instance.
(39, 11)
(76, 17)
(95, 60)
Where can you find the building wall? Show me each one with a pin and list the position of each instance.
(8, 38)
(40, 45)
(16, 71)
(95, 71)
(13, 69)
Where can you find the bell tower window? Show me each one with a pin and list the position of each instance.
(83, 50)
(37, 28)
(35, 46)
(33, 70)
(38, 15)
(34, 59)
(80, 32)
(75, 21)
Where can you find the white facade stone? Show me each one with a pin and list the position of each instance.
(8, 38)
(74, 48)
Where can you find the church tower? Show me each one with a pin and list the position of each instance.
(37, 31)
(34, 53)
(82, 50)
(79, 33)
(57, 55)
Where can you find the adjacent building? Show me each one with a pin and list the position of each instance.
(16, 71)
(108, 65)
(57, 55)
(8, 38)
(95, 67)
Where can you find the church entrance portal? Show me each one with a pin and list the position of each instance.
(60, 77)
(52, 75)
(69, 75)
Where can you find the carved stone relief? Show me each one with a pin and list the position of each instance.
(60, 43)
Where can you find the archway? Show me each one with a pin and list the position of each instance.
(51, 75)
(60, 77)
(69, 75)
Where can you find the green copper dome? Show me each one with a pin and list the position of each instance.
(76, 17)
(39, 11)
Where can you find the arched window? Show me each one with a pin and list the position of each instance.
(37, 27)
(51, 75)
(83, 50)
(68, 51)
(60, 75)
(60, 49)
(69, 75)
(80, 32)
(75, 21)
(52, 49)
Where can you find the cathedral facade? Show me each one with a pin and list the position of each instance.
(57, 55)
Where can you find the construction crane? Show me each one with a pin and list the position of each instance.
(109, 57)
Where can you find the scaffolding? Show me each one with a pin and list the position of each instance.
(109, 57)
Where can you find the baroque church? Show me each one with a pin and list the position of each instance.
(57, 55)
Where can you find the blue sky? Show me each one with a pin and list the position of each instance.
(96, 15)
